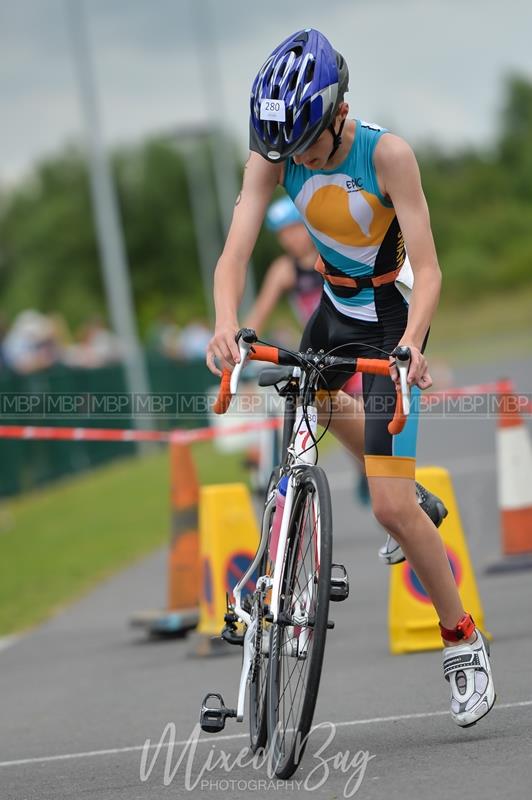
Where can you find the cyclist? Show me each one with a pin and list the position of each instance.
(358, 189)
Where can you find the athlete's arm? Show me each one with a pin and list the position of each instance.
(260, 180)
(399, 179)
(280, 278)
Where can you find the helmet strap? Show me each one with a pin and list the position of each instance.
(337, 138)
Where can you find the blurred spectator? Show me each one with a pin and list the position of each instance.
(31, 343)
(61, 330)
(97, 346)
(194, 339)
(164, 336)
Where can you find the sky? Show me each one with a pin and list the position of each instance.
(431, 70)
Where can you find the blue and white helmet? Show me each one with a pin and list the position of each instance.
(296, 94)
(281, 214)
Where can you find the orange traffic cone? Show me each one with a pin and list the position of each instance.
(184, 572)
(514, 479)
(184, 561)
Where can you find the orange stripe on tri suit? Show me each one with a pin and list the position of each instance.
(390, 467)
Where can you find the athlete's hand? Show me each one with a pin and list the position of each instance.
(418, 374)
(223, 347)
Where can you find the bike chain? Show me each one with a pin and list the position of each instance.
(255, 664)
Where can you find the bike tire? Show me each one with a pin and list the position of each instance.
(288, 732)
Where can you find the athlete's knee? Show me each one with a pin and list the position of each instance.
(386, 513)
(393, 508)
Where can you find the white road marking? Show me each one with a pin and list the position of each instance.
(212, 740)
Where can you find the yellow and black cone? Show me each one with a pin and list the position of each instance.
(229, 539)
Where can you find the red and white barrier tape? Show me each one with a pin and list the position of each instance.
(129, 435)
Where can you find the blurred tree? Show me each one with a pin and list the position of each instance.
(481, 205)
(159, 234)
(48, 252)
(516, 119)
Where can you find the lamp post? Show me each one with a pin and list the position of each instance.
(222, 155)
(110, 236)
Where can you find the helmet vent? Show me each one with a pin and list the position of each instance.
(297, 50)
(274, 131)
(289, 121)
(276, 92)
(305, 114)
(293, 81)
(309, 72)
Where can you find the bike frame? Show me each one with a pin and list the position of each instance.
(297, 457)
(296, 423)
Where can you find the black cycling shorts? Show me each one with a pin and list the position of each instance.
(335, 333)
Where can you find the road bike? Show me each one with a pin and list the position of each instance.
(285, 619)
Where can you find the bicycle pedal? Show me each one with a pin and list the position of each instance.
(230, 636)
(212, 718)
(339, 584)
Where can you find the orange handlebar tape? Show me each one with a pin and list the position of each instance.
(223, 400)
(373, 366)
(264, 352)
(399, 419)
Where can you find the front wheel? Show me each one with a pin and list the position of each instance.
(297, 640)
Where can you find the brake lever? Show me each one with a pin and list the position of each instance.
(245, 338)
(402, 362)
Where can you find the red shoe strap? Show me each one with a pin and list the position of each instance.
(464, 629)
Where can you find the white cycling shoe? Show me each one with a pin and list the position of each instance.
(467, 668)
(391, 552)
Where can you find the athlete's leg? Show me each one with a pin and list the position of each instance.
(466, 662)
(346, 422)
(395, 506)
(390, 466)
(326, 329)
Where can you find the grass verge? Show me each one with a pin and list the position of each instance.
(57, 543)
(497, 326)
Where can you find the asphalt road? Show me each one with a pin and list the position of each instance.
(80, 695)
